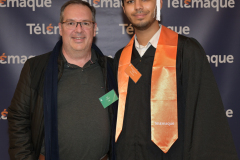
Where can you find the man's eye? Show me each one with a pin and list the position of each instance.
(71, 23)
(86, 23)
(130, 1)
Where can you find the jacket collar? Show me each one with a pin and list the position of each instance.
(101, 58)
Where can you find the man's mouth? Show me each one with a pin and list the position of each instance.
(139, 16)
(78, 37)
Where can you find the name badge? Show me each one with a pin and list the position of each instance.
(108, 98)
(133, 73)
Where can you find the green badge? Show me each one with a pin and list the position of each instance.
(108, 98)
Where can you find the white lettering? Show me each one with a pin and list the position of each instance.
(8, 3)
(231, 3)
(31, 56)
(37, 29)
(27, 3)
(164, 123)
(216, 59)
(230, 58)
(23, 59)
(3, 117)
(39, 5)
(23, 4)
(130, 29)
(175, 3)
(3, 62)
(123, 27)
(48, 3)
(216, 4)
(32, 4)
(30, 27)
(197, 3)
(11, 59)
(223, 5)
(229, 113)
(43, 29)
(207, 4)
(105, 3)
(116, 4)
(180, 30)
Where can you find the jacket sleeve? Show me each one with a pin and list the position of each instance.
(20, 144)
(207, 133)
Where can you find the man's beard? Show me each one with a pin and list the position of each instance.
(144, 25)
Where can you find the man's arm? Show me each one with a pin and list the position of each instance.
(20, 144)
(207, 133)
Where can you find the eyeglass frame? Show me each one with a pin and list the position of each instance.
(80, 23)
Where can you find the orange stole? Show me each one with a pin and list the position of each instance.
(164, 124)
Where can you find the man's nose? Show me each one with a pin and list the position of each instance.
(78, 27)
(138, 4)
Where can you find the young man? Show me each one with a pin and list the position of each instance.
(174, 111)
(55, 112)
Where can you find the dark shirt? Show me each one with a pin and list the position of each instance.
(83, 123)
(134, 142)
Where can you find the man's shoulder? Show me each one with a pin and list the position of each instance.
(188, 41)
(190, 48)
(118, 53)
(39, 62)
(40, 58)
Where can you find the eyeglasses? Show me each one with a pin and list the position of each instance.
(72, 24)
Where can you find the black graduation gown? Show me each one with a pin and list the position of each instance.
(203, 130)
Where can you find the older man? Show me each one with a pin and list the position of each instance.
(174, 110)
(55, 112)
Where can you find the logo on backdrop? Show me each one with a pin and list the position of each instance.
(11, 59)
(3, 57)
(38, 29)
(2, 1)
(45, 29)
(4, 114)
(217, 59)
(187, 2)
(216, 4)
(128, 28)
(26, 3)
(105, 3)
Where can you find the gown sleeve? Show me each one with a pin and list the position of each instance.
(207, 135)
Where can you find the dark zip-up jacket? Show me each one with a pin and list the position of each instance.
(25, 114)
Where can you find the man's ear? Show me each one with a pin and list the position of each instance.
(60, 28)
(94, 29)
(123, 9)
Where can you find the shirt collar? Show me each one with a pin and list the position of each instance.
(153, 41)
(93, 60)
